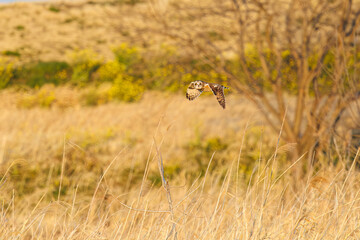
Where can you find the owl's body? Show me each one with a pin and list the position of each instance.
(197, 87)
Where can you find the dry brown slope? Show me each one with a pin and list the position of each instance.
(49, 30)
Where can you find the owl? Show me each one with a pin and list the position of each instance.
(197, 87)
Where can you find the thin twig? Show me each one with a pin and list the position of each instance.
(168, 194)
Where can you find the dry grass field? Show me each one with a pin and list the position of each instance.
(78, 164)
(92, 173)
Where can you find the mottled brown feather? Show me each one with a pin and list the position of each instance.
(218, 91)
(192, 93)
(207, 88)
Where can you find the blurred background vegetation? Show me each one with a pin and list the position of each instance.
(132, 71)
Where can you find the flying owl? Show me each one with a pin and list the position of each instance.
(197, 87)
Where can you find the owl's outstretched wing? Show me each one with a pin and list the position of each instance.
(218, 91)
(192, 93)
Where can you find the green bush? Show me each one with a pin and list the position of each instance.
(92, 98)
(20, 27)
(96, 95)
(38, 74)
(84, 63)
(127, 55)
(11, 53)
(54, 9)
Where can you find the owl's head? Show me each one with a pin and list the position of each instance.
(198, 84)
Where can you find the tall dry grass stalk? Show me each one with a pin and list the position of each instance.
(325, 206)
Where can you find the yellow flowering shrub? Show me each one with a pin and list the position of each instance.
(44, 98)
(6, 72)
(109, 71)
(126, 89)
(84, 63)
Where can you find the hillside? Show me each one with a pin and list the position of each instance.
(48, 31)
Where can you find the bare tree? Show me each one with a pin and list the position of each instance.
(297, 47)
